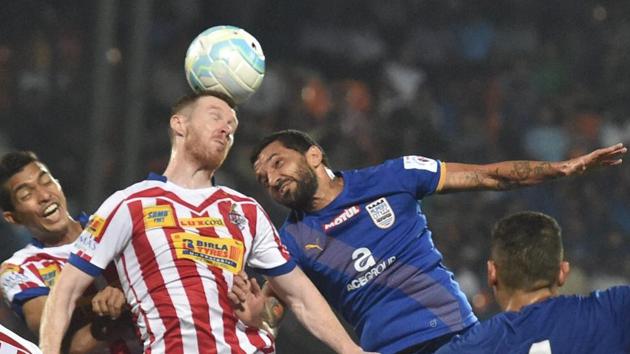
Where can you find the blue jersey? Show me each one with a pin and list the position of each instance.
(599, 323)
(371, 255)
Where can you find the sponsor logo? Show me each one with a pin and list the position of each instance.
(95, 226)
(343, 217)
(13, 277)
(158, 216)
(363, 259)
(49, 274)
(86, 243)
(370, 274)
(225, 253)
(201, 222)
(313, 246)
(419, 163)
(237, 218)
(381, 213)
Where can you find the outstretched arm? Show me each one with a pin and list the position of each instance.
(513, 174)
(59, 307)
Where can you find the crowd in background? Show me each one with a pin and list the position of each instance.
(456, 80)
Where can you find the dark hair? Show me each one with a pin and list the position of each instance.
(527, 250)
(11, 164)
(191, 98)
(290, 139)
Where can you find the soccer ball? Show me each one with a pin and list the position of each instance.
(225, 59)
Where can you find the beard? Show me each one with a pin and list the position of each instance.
(302, 197)
(208, 158)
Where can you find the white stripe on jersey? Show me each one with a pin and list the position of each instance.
(21, 345)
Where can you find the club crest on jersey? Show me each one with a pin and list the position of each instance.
(237, 218)
(158, 216)
(343, 217)
(381, 213)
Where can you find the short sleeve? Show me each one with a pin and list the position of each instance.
(104, 237)
(418, 175)
(268, 255)
(20, 284)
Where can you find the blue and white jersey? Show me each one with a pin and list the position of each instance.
(371, 255)
(599, 323)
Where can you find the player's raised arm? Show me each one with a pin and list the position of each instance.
(59, 307)
(255, 306)
(513, 174)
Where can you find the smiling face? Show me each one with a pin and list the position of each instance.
(39, 203)
(210, 125)
(287, 176)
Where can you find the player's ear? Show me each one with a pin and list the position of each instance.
(177, 124)
(563, 273)
(11, 217)
(314, 156)
(492, 273)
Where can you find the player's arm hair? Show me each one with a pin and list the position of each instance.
(513, 174)
(498, 176)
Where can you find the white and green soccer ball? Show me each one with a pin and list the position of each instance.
(225, 59)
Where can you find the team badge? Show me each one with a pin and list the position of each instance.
(237, 218)
(158, 216)
(381, 213)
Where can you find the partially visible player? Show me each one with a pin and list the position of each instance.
(362, 238)
(177, 239)
(525, 270)
(31, 197)
(11, 343)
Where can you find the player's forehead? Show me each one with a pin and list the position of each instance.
(270, 152)
(29, 173)
(214, 103)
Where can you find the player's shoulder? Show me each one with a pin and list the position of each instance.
(21, 257)
(235, 195)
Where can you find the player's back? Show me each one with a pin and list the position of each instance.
(598, 323)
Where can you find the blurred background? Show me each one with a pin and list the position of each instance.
(88, 85)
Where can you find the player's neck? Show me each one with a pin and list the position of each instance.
(330, 186)
(188, 175)
(67, 236)
(518, 299)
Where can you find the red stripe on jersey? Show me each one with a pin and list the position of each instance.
(193, 286)
(229, 318)
(154, 281)
(253, 335)
(5, 338)
(142, 313)
(44, 256)
(35, 271)
(230, 321)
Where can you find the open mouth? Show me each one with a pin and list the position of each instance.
(51, 209)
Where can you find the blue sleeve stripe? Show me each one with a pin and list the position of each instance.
(84, 265)
(21, 298)
(280, 270)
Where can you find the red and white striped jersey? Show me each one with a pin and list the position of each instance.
(31, 272)
(176, 251)
(11, 343)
